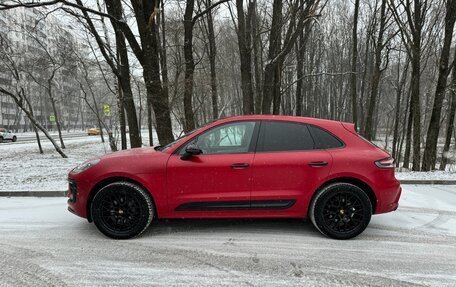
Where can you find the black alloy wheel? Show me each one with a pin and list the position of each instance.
(341, 211)
(122, 210)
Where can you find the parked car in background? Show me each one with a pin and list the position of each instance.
(242, 167)
(7, 135)
(93, 132)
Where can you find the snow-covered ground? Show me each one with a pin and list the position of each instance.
(42, 244)
(23, 168)
(432, 175)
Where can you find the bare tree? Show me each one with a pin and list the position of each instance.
(189, 23)
(300, 14)
(18, 95)
(430, 151)
(212, 58)
(451, 116)
(379, 67)
(411, 33)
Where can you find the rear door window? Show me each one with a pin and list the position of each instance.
(284, 136)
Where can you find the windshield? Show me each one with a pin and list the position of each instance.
(179, 139)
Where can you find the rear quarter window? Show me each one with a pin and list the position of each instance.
(324, 139)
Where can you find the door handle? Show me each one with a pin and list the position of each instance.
(318, 163)
(239, 165)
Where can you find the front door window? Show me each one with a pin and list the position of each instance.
(229, 138)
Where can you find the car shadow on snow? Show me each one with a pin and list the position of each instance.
(238, 226)
(164, 227)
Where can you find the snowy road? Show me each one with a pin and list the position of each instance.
(41, 244)
(31, 138)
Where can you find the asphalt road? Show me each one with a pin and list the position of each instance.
(32, 138)
(41, 244)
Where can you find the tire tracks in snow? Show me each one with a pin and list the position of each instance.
(17, 268)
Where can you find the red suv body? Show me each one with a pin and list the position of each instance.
(242, 167)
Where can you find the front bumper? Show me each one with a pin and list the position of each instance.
(77, 193)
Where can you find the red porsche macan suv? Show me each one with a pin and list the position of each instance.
(241, 167)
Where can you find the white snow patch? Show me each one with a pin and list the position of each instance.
(23, 168)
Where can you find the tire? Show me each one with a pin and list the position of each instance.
(14, 139)
(1, 139)
(340, 210)
(109, 213)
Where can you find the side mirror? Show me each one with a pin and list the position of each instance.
(190, 151)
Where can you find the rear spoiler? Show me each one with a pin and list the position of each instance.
(351, 127)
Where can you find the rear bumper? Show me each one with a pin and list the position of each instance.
(389, 199)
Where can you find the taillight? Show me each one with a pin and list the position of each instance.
(385, 163)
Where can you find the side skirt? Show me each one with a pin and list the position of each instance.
(237, 205)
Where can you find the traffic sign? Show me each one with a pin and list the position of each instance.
(107, 110)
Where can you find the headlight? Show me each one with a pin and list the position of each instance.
(84, 166)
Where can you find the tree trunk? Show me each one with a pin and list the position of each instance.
(114, 8)
(99, 120)
(257, 52)
(451, 117)
(245, 53)
(274, 47)
(149, 123)
(300, 54)
(368, 125)
(40, 148)
(145, 12)
(430, 151)
(408, 137)
(400, 84)
(164, 70)
(415, 107)
(122, 124)
(276, 97)
(353, 76)
(212, 58)
(56, 117)
(189, 66)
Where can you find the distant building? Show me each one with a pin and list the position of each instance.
(30, 33)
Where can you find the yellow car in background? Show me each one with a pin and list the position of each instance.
(93, 132)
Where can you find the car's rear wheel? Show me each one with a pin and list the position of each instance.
(1, 139)
(122, 210)
(341, 210)
(14, 139)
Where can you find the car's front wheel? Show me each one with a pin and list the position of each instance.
(341, 210)
(122, 210)
(14, 139)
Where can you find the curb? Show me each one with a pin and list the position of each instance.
(430, 182)
(33, 193)
(64, 193)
